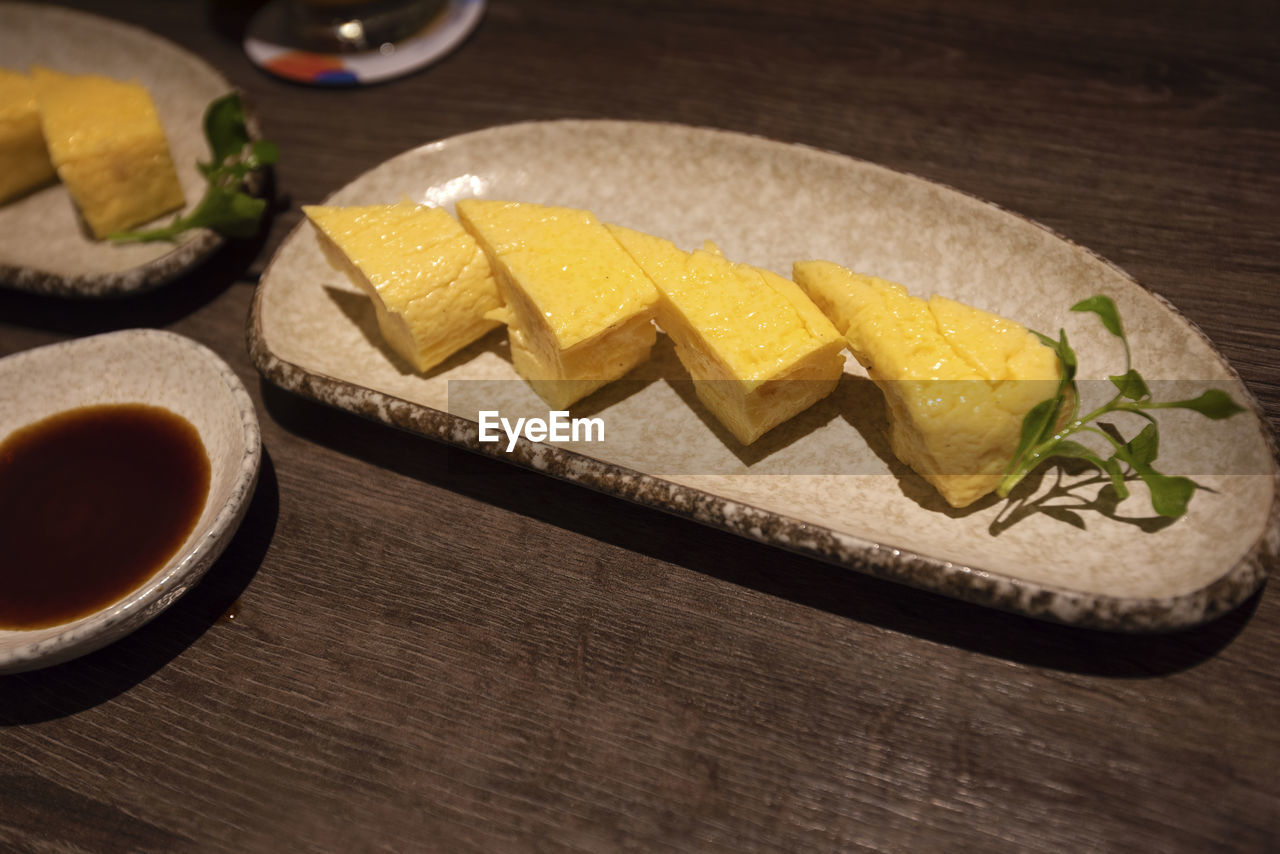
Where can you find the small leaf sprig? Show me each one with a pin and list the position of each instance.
(1046, 433)
(226, 207)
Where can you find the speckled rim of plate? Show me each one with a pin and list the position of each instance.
(234, 471)
(963, 582)
(184, 256)
(163, 262)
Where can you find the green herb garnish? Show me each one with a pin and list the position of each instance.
(227, 207)
(1042, 439)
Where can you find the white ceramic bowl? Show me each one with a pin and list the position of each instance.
(160, 369)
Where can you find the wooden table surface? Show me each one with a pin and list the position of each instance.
(408, 647)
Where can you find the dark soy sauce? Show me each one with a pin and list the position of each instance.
(92, 502)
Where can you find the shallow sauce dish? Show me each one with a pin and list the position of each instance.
(43, 246)
(824, 483)
(160, 369)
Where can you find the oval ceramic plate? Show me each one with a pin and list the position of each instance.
(43, 246)
(159, 369)
(824, 483)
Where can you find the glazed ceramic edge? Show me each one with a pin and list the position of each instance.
(134, 280)
(148, 601)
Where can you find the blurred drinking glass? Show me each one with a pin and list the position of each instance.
(348, 26)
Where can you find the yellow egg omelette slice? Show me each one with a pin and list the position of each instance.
(957, 380)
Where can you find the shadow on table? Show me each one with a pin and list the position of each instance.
(772, 571)
(83, 683)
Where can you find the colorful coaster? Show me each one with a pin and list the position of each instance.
(393, 59)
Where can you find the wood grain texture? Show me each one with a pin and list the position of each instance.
(408, 648)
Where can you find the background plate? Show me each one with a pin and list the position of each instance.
(43, 246)
(825, 483)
